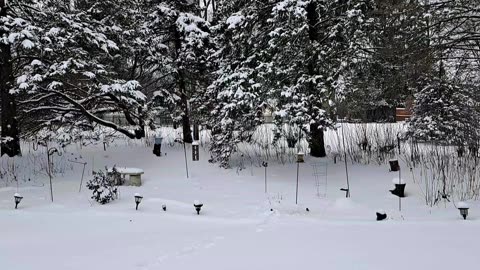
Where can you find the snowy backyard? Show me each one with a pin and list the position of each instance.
(239, 134)
(239, 227)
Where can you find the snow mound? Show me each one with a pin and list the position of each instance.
(397, 180)
(463, 205)
(344, 204)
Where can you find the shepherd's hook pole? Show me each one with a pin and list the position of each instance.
(399, 182)
(345, 158)
(296, 193)
(81, 180)
(265, 179)
(186, 162)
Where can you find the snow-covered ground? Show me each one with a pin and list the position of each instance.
(236, 228)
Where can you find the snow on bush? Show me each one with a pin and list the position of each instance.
(103, 186)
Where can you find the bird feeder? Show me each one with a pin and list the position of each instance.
(196, 132)
(18, 199)
(381, 215)
(300, 157)
(399, 187)
(195, 151)
(394, 165)
(157, 146)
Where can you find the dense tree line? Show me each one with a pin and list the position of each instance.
(221, 64)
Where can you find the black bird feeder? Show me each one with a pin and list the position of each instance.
(399, 188)
(394, 165)
(381, 215)
(157, 146)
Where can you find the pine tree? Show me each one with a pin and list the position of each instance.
(10, 135)
(181, 44)
(445, 113)
(68, 74)
(398, 58)
(234, 101)
(289, 55)
(311, 55)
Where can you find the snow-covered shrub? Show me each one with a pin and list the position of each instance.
(443, 176)
(367, 143)
(103, 186)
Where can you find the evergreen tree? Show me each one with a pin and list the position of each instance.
(14, 33)
(290, 55)
(445, 113)
(311, 55)
(233, 102)
(69, 80)
(180, 46)
(398, 58)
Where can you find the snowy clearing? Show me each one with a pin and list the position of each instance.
(236, 228)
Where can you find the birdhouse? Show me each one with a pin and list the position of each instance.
(196, 132)
(195, 151)
(394, 165)
(157, 146)
(300, 157)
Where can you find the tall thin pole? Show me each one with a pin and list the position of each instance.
(14, 173)
(186, 162)
(265, 179)
(399, 182)
(49, 166)
(81, 180)
(296, 193)
(345, 159)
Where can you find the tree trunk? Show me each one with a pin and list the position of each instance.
(187, 133)
(316, 143)
(10, 144)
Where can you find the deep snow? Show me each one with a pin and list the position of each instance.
(236, 228)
